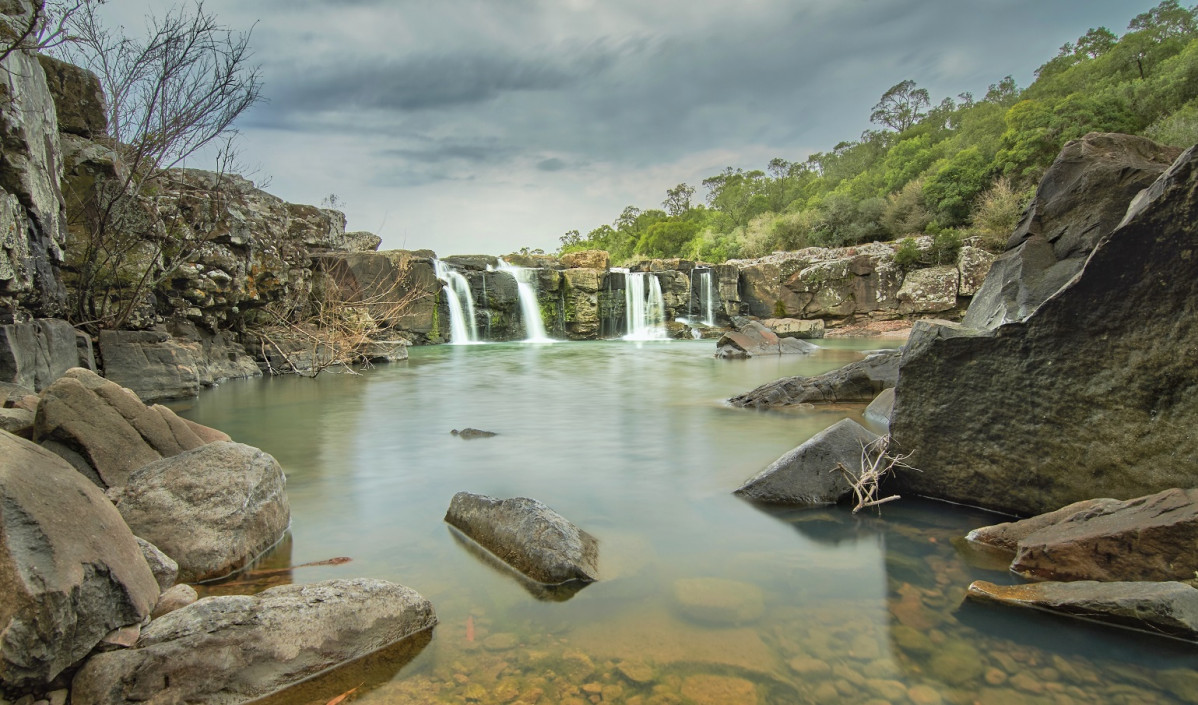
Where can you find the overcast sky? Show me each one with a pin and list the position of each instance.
(482, 126)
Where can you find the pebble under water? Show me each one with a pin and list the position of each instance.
(704, 598)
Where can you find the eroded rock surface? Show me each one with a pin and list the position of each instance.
(528, 536)
(808, 474)
(856, 381)
(226, 650)
(752, 339)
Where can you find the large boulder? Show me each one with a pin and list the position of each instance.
(233, 649)
(856, 381)
(528, 536)
(212, 509)
(1169, 608)
(105, 431)
(158, 365)
(37, 353)
(1085, 397)
(588, 259)
(70, 569)
(1082, 197)
(78, 98)
(931, 290)
(809, 474)
(751, 339)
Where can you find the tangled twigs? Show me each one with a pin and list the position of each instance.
(876, 463)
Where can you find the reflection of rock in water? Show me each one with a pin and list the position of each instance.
(541, 591)
(267, 571)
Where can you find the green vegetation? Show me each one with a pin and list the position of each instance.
(951, 169)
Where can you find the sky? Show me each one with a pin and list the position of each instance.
(484, 126)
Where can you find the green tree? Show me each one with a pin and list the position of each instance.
(678, 199)
(901, 106)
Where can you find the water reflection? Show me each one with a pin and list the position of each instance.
(541, 591)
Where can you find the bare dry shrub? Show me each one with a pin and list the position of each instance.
(877, 462)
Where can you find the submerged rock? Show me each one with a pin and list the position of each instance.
(528, 536)
(856, 381)
(1169, 608)
(719, 601)
(751, 339)
(808, 474)
(472, 433)
(225, 650)
(70, 570)
(212, 509)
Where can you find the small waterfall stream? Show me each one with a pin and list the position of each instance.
(463, 328)
(644, 307)
(707, 295)
(530, 309)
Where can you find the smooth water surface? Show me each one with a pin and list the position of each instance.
(704, 598)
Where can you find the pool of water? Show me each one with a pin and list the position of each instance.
(704, 598)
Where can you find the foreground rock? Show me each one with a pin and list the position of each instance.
(528, 536)
(751, 339)
(70, 570)
(212, 509)
(1169, 608)
(856, 381)
(1087, 395)
(106, 432)
(808, 474)
(1149, 538)
(1006, 536)
(225, 650)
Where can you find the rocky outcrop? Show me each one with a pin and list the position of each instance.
(212, 509)
(795, 328)
(399, 289)
(35, 354)
(528, 536)
(226, 650)
(1149, 538)
(1082, 197)
(588, 259)
(1169, 608)
(859, 381)
(752, 339)
(79, 101)
(1086, 396)
(808, 475)
(70, 570)
(105, 431)
(157, 364)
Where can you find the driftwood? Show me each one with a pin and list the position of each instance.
(876, 463)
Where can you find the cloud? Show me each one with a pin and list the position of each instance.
(551, 164)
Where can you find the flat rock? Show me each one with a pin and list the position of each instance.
(1149, 538)
(752, 339)
(859, 381)
(528, 536)
(1006, 536)
(212, 509)
(710, 689)
(70, 569)
(232, 649)
(470, 434)
(795, 327)
(808, 474)
(157, 364)
(1169, 608)
(719, 601)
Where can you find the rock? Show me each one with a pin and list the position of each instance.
(17, 421)
(795, 328)
(158, 365)
(377, 276)
(212, 509)
(164, 568)
(880, 408)
(104, 430)
(710, 689)
(71, 570)
(974, 264)
(78, 98)
(719, 601)
(1058, 408)
(472, 433)
(379, 351)
(35, 354)
(751, 339)
(362, 241)
(587, 259)
(225, 650)
(1080, 199)
(528, 536)
(856, 381)
(581, 300)
(1149, 538)
(1006, 536)
(931, 290)
(1169, 608)
(808, 474)
(174, 598)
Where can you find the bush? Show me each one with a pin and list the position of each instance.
(997, 212)
(779, 309)
(1177, 130)
(945, 246)
(906, 212)
(907, 254)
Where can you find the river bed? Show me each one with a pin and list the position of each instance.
(704, 598)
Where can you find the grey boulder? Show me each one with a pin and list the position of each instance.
(70, 570)
(232, 649)
(808, 474)
(212, 509)
(528, 536)
(751, 339)
(857, 381)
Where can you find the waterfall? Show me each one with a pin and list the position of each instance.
(463, 329)
(644, 312)
(530, 310)
(707, 295)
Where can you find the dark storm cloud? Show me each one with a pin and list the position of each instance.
(439, 151)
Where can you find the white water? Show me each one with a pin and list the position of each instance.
(707, 295)
(530, 310)
(463, 328)
(644, 313)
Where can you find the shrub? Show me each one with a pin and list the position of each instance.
(997, 212)
(907, 254)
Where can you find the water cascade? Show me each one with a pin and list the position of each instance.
(530, 310)
(707, 295)
(463, 329)
(644, 312)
